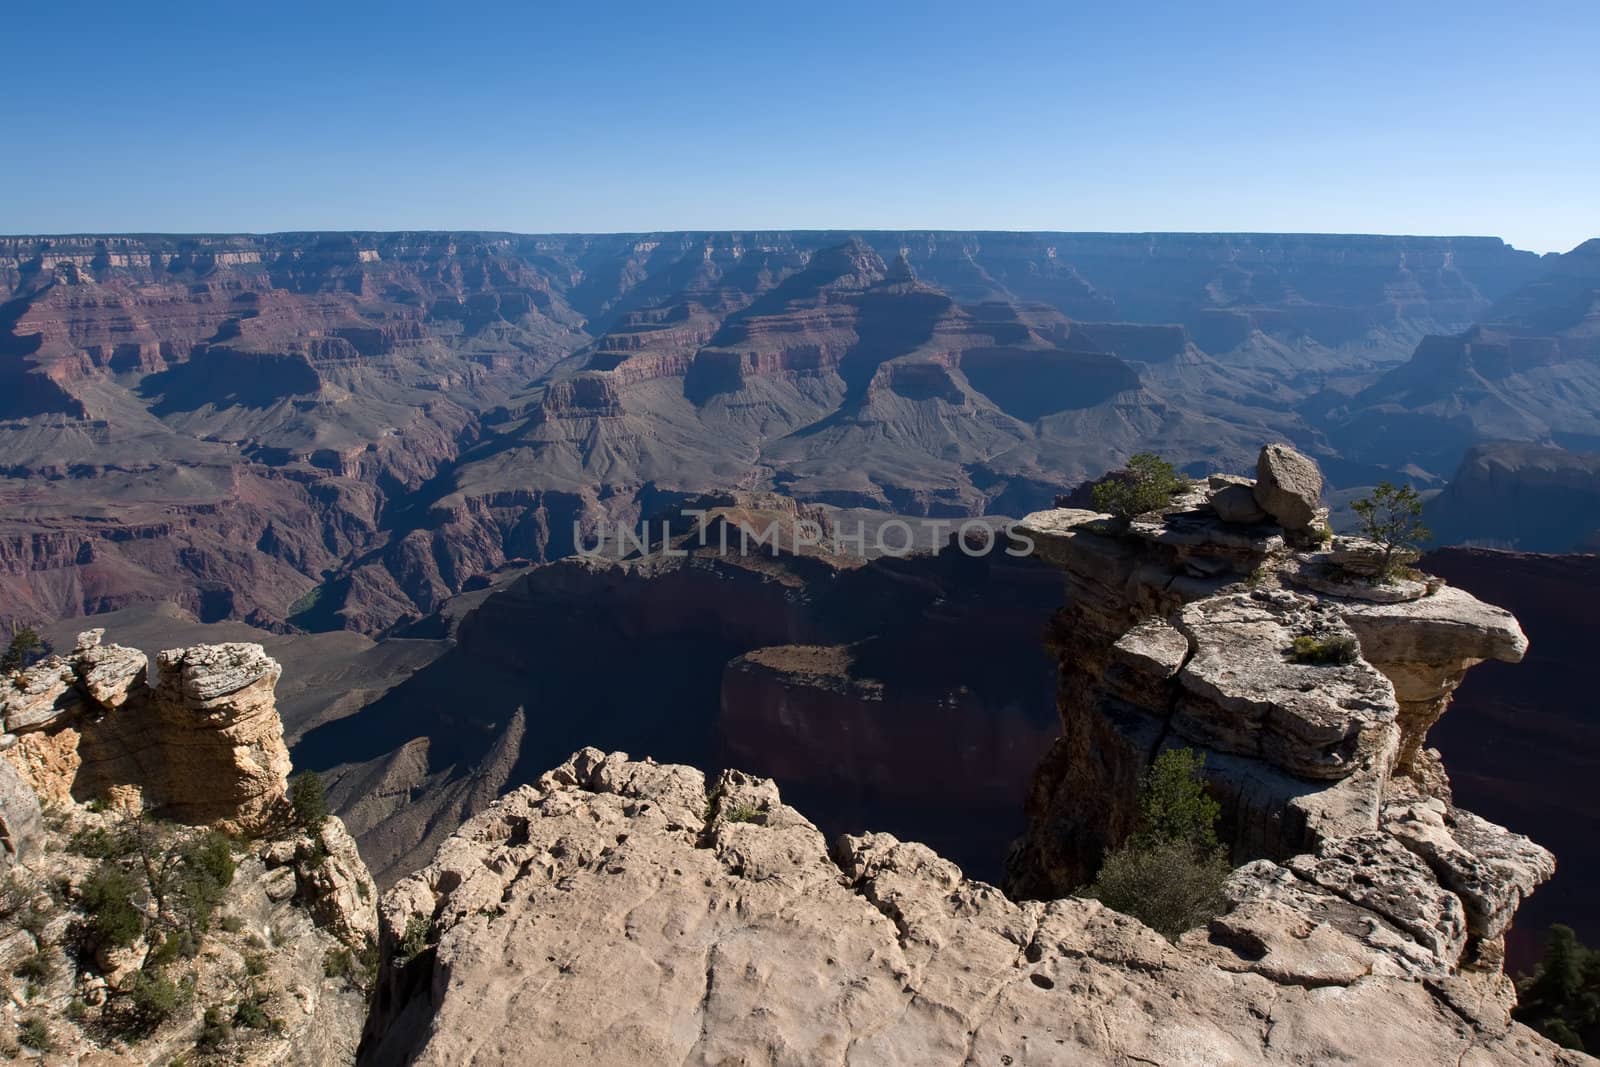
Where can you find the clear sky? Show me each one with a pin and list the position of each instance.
(1397, 117)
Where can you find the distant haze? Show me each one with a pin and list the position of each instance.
(1354, 118)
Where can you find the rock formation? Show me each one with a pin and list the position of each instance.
(620, 912)
(200, 743)
(135, 948)
(1181, 629)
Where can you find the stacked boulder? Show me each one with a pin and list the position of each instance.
(1181, 630)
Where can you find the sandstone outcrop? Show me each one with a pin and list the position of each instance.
(145, 936)
(1192, 630)
(622, 912)
(201, 743)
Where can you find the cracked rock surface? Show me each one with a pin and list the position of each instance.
(622, 912)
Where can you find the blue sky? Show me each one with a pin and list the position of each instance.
(1459, 118)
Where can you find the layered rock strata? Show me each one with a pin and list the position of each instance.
(200, 742)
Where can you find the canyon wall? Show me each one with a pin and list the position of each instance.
(320, 431)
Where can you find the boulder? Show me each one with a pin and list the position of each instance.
(39, 697)
(108, 673)
(1236, 504)
(1288, 486)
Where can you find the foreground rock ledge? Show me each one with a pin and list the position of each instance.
(618, 912)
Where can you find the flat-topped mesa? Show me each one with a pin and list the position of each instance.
(201, 743)
(1180, 630)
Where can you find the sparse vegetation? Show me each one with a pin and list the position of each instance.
(99, 843)
(252, 1013)
(1149, 483)
(309, 803)
(1335, 650)
(1170, 872)
(35, 1033)
(113, 920)
(151, 1000)
(35, 967)
(24, 649)
(216, 1029)
(742, 812)
(1561, 998)
(415, 938)
(1392, 516)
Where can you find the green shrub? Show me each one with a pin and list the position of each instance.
(255, 964)
(113, 920)
(252, 1013)
(99, 843)
(216, 1029)
(1170, 872)
(152, 999)
(309, 803)
(1174, 804)
(415, 938)
(35, 1033)
(1149, 483)
(1337, 649)
(35, 968)
(77, 1010)
(178, 943)
(742, 813)
(1170, 887)
(203, 871)
(232, 924)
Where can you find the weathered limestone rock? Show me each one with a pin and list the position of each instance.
(39, 697)
(21, 827)
(1426, 647)
(1360, 863)
(1490, 868)
(1315, 573)
(618, 913)
(1243, 694)
(108, 673)
(1237, 503)
(336, 886)
(201, 743)
(1288, 486)
(1375, 872)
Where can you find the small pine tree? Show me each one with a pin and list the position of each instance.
(25, 649)
(1173, 802)
(1149, 482)
(1392, 516)
(1561, 999)
(308, 801)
